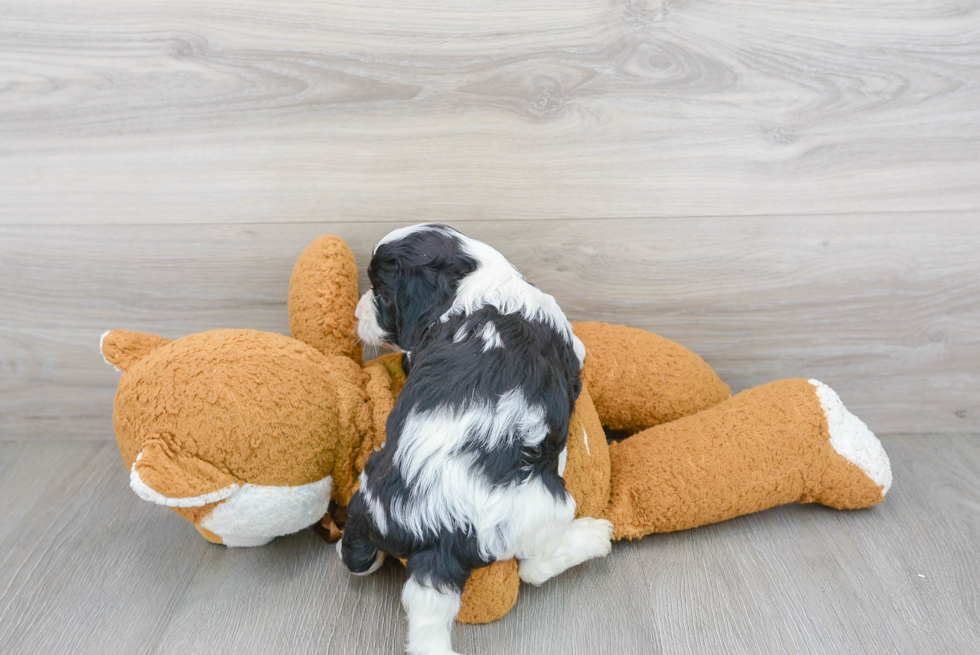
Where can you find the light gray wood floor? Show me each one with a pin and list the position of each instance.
(87, 567)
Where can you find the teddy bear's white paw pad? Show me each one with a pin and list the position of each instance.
(852, 439)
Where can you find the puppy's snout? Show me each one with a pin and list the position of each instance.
(367, 321)
(366, 298)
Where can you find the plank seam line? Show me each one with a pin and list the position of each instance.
(383, 221)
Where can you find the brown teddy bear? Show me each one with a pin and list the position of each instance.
(250, 435)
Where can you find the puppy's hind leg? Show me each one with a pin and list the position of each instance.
(583, 539)
(431, 599)
(358, 552)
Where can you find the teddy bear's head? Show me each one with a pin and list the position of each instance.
(219, 425)
(239, 430)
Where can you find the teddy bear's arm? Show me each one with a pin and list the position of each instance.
(323, 296)
(639, 379)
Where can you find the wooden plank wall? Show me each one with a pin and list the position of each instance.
(790, 189)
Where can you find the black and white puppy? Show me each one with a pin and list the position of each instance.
(475, 448)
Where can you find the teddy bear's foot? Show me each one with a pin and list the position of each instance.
(843, 486)
(583, 539)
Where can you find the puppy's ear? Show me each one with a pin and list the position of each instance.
(424, 294)
(420, 272)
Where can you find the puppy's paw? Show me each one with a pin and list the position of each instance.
(379, 559)
(594, 537)
(536, 571)
(583, 539)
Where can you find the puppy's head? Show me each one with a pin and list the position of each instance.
(414, 274)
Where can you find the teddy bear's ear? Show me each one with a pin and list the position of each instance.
(122, 348)
(323, 297)
(166, 476)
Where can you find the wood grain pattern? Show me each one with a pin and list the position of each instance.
(169, 112)
(807, 579)
(928, 577)
(290, 597)
(789, 189)
(86, 567)
(886, 309)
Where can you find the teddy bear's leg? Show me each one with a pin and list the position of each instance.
(490, 593)
(787, 441)
(639, 379)
(322, 298)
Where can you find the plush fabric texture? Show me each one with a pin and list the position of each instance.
(490, 593)
(640, 379)
(255, 514)
(587, 468)
(240, 407)
(385, 379)
(232, 406)
(195, 515)
(322, 298)
(122, 348)
(766, 446)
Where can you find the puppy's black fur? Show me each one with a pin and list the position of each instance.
(449, 366)
(414, 281)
